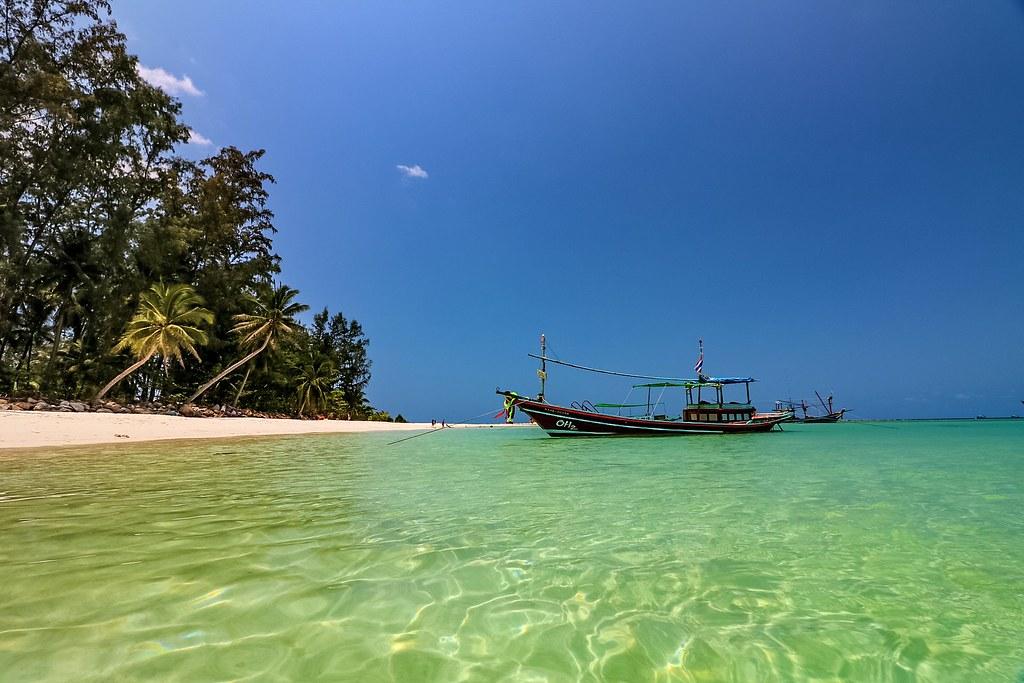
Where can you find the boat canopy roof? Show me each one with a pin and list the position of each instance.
(620, 405)
(719, 381)
(694, 383)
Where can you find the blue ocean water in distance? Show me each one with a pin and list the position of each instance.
(850, 552)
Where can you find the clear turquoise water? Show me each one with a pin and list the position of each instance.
(824, 553)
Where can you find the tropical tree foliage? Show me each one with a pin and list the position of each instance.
(97, 205)
(167, 323)
(272, 319)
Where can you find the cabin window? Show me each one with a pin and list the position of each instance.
(714, 417)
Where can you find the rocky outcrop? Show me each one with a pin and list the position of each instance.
(111, 407)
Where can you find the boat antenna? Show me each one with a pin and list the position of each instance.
(543, 372)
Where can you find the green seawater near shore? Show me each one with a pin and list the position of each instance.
(851, 552)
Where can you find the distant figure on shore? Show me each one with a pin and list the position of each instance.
(443, 425)
(433, 423)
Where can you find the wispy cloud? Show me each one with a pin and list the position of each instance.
(412, 171)
(168, 82)
(196, 138)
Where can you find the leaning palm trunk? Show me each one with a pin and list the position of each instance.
(231, 368)
(130, 370)
(238, 396)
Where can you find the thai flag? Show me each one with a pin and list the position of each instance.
(699, 365)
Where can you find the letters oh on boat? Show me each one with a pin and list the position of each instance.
(706, 410)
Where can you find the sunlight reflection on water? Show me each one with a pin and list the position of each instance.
(821, 553)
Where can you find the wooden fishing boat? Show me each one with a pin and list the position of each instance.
(698, 416)
(830, 415)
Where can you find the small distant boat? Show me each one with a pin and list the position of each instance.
(830, 415)
(1002, 417)
(699, 416)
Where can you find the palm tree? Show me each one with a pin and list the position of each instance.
(273, 319)
(165, 324)
(315, 379)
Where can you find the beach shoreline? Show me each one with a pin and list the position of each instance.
(32, 429)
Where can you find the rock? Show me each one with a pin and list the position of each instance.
(104, 410)
(79, 407)
(188, 410)
(65, 404)
(170, 412)
(31, 401)
(62, 409)
(41, 405)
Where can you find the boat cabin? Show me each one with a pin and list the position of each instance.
(705, 400)
(698, 409)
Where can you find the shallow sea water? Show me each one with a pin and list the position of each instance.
(856, 552)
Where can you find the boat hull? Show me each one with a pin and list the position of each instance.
(831, 418)
(560, 421)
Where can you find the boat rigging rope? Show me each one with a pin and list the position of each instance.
(609, 372)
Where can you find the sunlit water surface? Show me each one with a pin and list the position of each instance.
(851, 552)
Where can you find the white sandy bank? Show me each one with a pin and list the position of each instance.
(30, 429)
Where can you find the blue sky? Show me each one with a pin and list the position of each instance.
(831, 194)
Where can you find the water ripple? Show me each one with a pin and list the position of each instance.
(833, 553)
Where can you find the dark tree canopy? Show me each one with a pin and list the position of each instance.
(97, 206)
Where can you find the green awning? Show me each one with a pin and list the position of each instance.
(657, 385)
(620, 405)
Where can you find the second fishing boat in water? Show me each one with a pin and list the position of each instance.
(698, 416)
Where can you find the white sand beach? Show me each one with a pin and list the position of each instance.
(31, 429)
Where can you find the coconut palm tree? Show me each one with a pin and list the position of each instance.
(315, 377)
(272, 319)
(165, 324)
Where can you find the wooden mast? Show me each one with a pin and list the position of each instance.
(543, 372)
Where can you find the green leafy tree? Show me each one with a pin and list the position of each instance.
(83, 140)
(315, 377)
(345, 344)
(166, 324)
(96, 204)
(272, 320)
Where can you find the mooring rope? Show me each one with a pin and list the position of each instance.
(448, 424)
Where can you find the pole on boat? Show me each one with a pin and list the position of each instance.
(543, 372)
(827, 411)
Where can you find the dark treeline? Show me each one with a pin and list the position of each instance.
(117, 255)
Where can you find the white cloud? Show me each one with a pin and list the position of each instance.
(195, 138)
(412, 171)
(168, 82)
